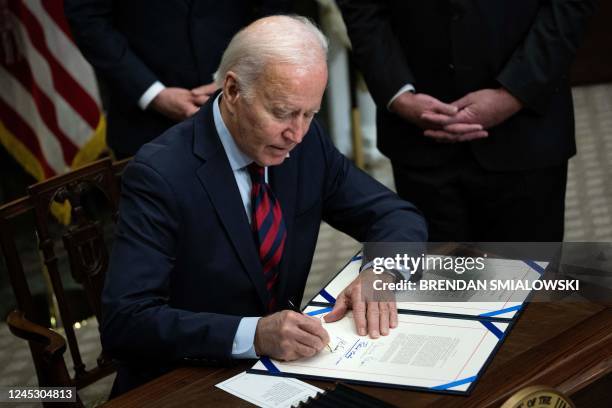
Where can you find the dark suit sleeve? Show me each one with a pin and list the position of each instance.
(138, 321)
(376, 49)
(106, 49)
(360, 206)
(542, 61)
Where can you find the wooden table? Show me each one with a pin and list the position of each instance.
(564, 345)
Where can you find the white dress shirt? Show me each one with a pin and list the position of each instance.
(243, 346)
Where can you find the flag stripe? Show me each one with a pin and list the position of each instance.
(50, 111)
(56, 13)
(70, 121)
(72, 92)
(50, 15)
(23, 104)
(13, 122)
(21, 72)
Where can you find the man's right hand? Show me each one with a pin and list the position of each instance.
(429, 113)
(175, 103)
(289, 335)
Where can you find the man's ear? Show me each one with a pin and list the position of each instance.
(231, 91)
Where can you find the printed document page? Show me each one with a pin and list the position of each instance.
(430, 352)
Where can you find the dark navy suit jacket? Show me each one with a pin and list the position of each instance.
(184, 267)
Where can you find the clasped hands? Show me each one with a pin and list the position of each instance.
(179, 103)
(289, 335)
(463, 120)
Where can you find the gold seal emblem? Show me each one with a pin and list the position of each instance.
(538, 396)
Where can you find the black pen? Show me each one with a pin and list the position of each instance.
(292, 306)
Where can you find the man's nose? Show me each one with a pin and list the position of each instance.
(297, 130)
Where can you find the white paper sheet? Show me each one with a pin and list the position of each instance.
(269, 392)
(430, 352)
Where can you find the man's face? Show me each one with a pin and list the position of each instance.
(284, 100)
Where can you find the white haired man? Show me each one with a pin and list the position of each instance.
(219, 218)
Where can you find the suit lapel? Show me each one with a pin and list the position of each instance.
(283, 180)
(218, 180)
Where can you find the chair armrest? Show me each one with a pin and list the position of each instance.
(53, 343)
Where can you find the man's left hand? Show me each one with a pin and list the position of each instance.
(371, 316)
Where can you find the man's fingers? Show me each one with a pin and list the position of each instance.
(463, 102)
(440, 135)
(443, 108)
(311, 340)
(383, 309)
(472, 136)
(304, 350)
(207, 89)
(338, 311)
(191, 109)
(293, 350)
(461, 128)
(312, 326)
(393, 315)
(359, 316)
(437, 118)
(444, 136)
(373, 318)
(200, 99)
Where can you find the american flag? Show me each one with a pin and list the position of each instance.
(51, 117)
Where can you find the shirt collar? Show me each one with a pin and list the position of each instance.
(236, 157)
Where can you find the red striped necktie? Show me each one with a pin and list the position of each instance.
(268, 227)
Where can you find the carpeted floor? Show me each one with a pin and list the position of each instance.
(588, 218)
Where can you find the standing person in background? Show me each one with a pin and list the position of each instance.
(474, 108)
(157, 57)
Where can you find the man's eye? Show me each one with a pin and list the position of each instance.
(280, 114)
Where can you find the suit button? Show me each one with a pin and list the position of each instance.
(456, 17)
(451, 67)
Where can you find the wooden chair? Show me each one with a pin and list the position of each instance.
(83, 242)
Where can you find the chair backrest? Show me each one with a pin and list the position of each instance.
(83, 243)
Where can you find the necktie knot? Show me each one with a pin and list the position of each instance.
(257, 173)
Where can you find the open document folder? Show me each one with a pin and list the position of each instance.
(499, 304)
(424, 352)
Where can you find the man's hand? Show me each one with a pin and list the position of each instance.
(412, 107)
(487, 107)
(431, 114)
(370, 315)
(202, 93)
(175, 103)
(289, 335)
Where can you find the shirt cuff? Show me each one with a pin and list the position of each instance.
(150, 94)
(365, 266)
(244, 340)
(405, 88)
